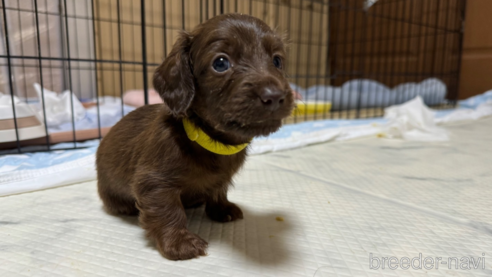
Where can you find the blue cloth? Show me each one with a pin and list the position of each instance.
(40, 160)
(46, 159)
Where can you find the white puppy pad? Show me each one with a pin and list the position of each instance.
(340, 203)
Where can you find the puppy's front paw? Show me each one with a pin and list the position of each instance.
(182, 245)
(224, 212)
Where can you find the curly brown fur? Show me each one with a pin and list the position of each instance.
(146, 164)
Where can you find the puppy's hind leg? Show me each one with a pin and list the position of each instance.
(218, 207)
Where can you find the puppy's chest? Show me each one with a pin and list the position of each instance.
(208, 173)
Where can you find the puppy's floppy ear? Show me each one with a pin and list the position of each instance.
(174, 80)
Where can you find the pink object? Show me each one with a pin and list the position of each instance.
(297, 95)
(135, 98)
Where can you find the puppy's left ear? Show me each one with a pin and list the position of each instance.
(174, 80)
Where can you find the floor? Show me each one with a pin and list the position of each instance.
(346, 207)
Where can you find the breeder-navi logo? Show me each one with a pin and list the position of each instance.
(427, 263)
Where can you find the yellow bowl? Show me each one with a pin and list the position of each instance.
(311, 108)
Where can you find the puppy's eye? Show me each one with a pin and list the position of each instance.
(277, 62)
(221, 64)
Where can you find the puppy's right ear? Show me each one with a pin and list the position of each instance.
(173, 79)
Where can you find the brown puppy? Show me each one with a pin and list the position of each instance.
(227, 78)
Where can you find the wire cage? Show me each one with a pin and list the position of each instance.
(67, 66)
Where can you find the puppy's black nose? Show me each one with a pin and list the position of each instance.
(272, 98)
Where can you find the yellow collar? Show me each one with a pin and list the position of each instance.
(197, 135)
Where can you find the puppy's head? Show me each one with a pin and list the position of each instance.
(230, 72)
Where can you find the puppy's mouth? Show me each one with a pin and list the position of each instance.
(254, 128)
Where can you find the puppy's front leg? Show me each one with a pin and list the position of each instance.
(163, 217)
(218, 208)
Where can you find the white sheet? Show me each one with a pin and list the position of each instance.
(341, 202)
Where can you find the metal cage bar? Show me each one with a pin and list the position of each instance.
(106, 49)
